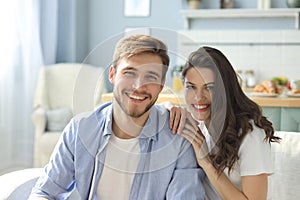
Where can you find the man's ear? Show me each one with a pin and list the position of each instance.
(162, 86)
(111, 74)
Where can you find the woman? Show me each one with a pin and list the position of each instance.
(230, 137)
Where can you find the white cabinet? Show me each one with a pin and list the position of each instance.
(240, 13)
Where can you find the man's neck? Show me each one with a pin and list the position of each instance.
(120, 133)
(126, 127)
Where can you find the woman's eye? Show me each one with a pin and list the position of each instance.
(210, 88)
(190, 87)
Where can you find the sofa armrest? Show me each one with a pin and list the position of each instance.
(18, 184)
(39, 120)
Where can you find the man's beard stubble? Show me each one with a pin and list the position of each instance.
(135, 113)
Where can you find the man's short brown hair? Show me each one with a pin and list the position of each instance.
(139, 44)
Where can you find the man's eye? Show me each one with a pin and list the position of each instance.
(129, 73)
(151, 78)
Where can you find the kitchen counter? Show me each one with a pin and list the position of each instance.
(291, 102)
(178, 98)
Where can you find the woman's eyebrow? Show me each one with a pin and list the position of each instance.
(210, 83)
(187, 82)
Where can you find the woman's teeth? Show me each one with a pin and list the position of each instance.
(201, 106)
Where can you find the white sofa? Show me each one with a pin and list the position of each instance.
(284, 183)
(63, 90)
(18, 184)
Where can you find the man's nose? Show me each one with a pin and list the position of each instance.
(139, 83)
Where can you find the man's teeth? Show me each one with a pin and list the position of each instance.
(136, 97)
(201, 106)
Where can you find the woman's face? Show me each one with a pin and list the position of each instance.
(199, 84)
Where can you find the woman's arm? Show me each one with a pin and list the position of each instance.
(253, 187)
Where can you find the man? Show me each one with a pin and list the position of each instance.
(125, 149)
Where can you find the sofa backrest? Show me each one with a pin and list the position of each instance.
(60, 85)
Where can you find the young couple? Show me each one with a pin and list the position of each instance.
(126, 149)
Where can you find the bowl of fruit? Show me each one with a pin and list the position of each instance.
(282, 83)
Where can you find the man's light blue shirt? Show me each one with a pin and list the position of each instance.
(167, 168)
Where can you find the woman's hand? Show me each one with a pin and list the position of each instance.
(197, 139)
(183, 123)
(179, 116)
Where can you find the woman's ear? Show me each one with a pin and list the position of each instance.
(111, 74)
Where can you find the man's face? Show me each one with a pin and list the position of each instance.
(137, 83)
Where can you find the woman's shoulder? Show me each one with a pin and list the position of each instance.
(254, 138)
(257, 132)
(256, 148)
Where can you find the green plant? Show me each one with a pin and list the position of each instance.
(176, 68)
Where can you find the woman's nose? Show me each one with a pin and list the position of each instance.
(200, 94)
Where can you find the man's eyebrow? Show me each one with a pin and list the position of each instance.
(149, 72)
(129, 68)
(206, 84)
(154, 73)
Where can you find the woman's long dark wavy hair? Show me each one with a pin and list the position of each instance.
(231, 110)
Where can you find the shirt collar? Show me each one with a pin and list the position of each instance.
(155, 123)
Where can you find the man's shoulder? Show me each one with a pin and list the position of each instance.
(160, 118)
(90, 124)
(163, 123)
(89, 128)
(160, 109)
(89, 117)
(161, 113)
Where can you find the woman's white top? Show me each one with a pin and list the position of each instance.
(254, 156)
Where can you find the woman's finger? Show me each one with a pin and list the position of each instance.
(172, 117)
(189, 127)
(183, 120)
(192, 120)
(175, 116)
(192, 136)
(198, 143)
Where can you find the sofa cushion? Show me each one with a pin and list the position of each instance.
(57, 119)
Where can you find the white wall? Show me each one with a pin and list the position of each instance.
(268, 52)
(5, 141)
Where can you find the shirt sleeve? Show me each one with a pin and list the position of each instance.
(255, 154)
(57, 182)
(187, 178)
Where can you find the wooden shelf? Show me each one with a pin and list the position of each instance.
(240, 13)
